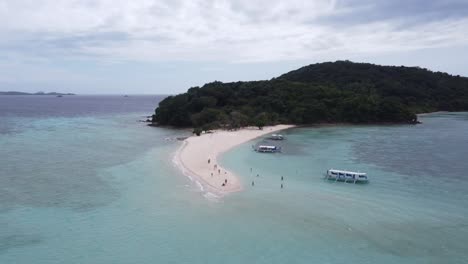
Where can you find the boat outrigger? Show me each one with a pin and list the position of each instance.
(267, 149)
(346, 176)
(276, 137)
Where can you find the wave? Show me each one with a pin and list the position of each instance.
(176, 161)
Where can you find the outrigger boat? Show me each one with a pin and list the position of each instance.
(276, 137)
(346, 176)
(267, 149)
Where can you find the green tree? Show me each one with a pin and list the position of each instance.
(340, 91)
(261, 120)
(197, 131)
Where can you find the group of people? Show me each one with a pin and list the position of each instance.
(215, 167)
(219, 172)
(258, 175)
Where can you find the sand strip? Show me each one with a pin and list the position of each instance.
(192, 157)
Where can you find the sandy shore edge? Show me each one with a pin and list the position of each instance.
(193, 155)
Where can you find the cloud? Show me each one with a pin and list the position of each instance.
(225, 30)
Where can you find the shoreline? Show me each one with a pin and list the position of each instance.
(435, 112)
(193, 155)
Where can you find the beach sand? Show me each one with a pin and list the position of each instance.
(192, 157)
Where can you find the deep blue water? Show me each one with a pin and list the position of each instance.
(81, 181)
(78, 105)
(35, 107)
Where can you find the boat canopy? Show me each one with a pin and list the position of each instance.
(347, 173)
(267, 147)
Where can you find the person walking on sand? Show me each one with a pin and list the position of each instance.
(209, 160)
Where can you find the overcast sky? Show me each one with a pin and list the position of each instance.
(167, 46)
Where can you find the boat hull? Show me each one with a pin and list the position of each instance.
(346, 179)
(267, 149)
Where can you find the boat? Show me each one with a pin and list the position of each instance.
(276, 137)
(346, 176)
(267, 149)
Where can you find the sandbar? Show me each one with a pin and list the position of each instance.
(198, 157)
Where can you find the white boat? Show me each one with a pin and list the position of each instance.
(267, 149)
(276, 137)
(346, 176)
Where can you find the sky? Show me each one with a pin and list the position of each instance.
(168, 46)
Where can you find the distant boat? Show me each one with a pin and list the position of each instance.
(125, 95)
(346, 176)
(276, 137)
(59, 95)
(267, 149)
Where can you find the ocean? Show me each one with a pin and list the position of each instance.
(82, 181)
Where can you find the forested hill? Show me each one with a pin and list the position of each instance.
(329, 92)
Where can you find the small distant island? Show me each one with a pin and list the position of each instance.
(38, 93)
(331, 92)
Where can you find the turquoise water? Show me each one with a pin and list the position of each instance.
(100, 187)
(413, 210)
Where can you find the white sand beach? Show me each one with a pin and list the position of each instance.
(193, 156)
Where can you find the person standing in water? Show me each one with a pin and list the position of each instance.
(253, 183)
(281, 186)
(281, 178)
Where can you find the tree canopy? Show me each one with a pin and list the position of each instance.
(340, 91)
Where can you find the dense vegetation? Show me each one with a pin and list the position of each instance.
(329, 92)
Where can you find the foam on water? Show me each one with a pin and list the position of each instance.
(200, 186)
(176, 161)
(211, 196)
(204, 189)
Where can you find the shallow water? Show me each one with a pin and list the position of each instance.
(95, 186)
(412, 211)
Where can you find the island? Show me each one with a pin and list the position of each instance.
(225, 115)
(38, 93)
(332, 92)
